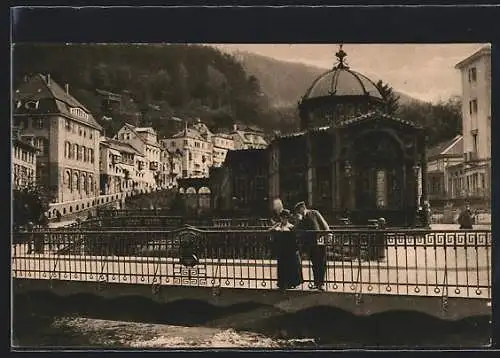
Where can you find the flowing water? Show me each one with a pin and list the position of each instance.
(47, 321)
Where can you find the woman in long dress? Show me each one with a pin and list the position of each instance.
(287, 253)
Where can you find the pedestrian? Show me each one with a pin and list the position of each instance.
(310, 223)
(287, 253)
(31, 237)
(466, 218)
(277, 208)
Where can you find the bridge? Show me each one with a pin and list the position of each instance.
(444, 273)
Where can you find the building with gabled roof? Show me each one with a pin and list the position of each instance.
(196, 149)
(145, 141)
(247, 139)
(66, 134)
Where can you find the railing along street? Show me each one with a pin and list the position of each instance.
(403, 262)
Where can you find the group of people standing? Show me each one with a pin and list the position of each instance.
(303, 224)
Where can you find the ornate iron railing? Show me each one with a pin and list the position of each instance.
(404, 262)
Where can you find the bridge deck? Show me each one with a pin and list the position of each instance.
(415, 271)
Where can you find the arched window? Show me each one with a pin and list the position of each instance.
(91, 183)
(83, 183)
(82, 151)
(76, 183)
(85, 154)
(77, 152)
(67, 179)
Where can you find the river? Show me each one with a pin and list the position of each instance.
(47, 321)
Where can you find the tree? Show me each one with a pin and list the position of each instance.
(442, 120)
(390, 98)
(30, 202)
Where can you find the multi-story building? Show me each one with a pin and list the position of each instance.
(222, 143)
(66, 134)
(145, 141)
(118, 167)
(170, 164)
(23, 162)
(196, 150)
(442, 187)
(248, 138)
(476, 125)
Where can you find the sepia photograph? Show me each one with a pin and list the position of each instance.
(271, 196)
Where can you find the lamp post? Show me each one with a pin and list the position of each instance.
(416, 171)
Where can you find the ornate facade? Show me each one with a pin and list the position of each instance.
(350, 157)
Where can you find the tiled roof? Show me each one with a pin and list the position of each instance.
(38, 87)
(373, 116)
(452, 146)
(251, 137)
(120, 146)
(138, 130)
(188, 133)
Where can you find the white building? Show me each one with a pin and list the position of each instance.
(145, 141)
(196, 150)
(66, 134)
(222, 143)
(248, 139)
(475, 73)
(119, 167)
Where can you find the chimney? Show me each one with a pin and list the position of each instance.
(48, 79)
(66, 87)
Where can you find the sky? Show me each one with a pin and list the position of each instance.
(423, 71)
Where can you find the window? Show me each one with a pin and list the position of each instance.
(185, 142)
(38, 123)
(91, 155)
(82, 152)
(85, 155)
(68, 125)
(381, 191)
(474, 142)
(83, 185)
(473, 106)
(67, 149)
(78, 112)
(91, 183)
(77, 152)
(76, 183)
(472, 74)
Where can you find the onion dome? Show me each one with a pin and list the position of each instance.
(342, 81)
(339, 92)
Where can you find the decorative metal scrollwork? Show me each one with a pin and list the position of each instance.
(188, 246)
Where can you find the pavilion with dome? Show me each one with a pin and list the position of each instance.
(350, 157)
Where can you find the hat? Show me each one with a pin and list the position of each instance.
(299, 204)
(285, 213)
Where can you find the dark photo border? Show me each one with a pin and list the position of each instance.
(279, 24)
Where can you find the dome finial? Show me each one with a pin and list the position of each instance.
(341, 55)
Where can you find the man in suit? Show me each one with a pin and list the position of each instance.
(312, 220)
